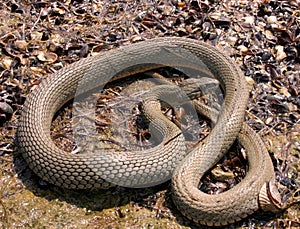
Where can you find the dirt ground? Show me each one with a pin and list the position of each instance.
(38, 38)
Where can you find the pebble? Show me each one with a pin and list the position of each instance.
(232, 40)
(280, 54)
(269, 120)
(272, 19)
(242, 48)
(5, 108)
(269, 35)
(249, 20)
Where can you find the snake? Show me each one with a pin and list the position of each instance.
(169, 159)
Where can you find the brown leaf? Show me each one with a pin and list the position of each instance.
(47, 56)
(21, 44)
(7, 62)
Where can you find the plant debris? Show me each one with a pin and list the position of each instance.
(38, 38)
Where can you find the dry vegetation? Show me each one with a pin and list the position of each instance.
(39, 37)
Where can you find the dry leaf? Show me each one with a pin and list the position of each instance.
(47, 56)
(7, 62)
(21, 44)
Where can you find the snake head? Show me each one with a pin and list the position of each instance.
(195, 86)
(269, 198)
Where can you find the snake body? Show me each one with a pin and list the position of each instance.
(136, 169)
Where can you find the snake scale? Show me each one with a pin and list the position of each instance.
(156, 165)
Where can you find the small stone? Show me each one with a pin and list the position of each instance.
(272, 19)
(242, 48)
(59, 11)
(136, 38)
(269, 35)
(250, 81)
(5, 108)
(249, 20)
(269, 120)
(232, 40)
(280, 54)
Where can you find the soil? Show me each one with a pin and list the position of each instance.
(38, 38)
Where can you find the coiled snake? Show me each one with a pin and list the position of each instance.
(140, 169)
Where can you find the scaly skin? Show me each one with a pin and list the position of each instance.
(136, 169)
